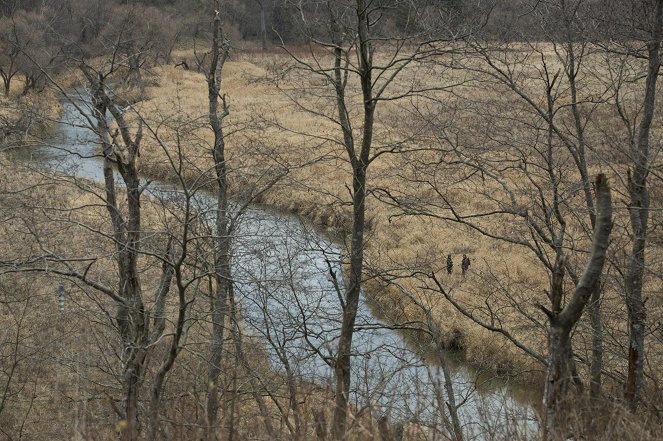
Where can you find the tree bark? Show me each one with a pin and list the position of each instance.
(131, 316)
(222, 264)
(343, 362)
(453, 422)
(8, 75)
(174, 348)
(580, 159)
(244, 362)
(360, 163)
(596, 366)
(7, 85)
(263, 23)
(638, 208)
(561, 369)
(558, 377)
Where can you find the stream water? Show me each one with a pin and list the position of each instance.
(286, 296)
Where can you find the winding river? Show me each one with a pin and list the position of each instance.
(287, 296)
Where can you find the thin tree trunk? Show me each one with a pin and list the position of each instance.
(222, 265)
(639, 218)
(453, 421)
(7, 77)
(244, 362)
(452, 407)
(173, 350)
(561, 369)
(360, 164)
(579, 156)
(263, 23)
(293, 398)
(320, 422)
(233, 407)
(131, 316)
(343, 362)
(29, 84)
(596, 367)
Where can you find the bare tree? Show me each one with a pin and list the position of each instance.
(564, 318)
(360, 63)
(22, 33)
(263, 22)
(223, 277)
(535, 185)
(142, 324)
(638, 206)
(227, 218)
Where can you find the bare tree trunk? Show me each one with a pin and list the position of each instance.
(360, 164)
(293, 398)
(342, 365)
(263, 23)
(639, 217)
(580, 159)
(29, 84)
(558, 378)
(320, 424)
(596, 367)
(384, 428)
(131, 316)
(222, 269)
(174, 348)
(233, 407)
(561, 369)
(451, 405)
(452, 420)
(7, 77)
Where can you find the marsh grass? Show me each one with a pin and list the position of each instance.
(271, 103)
(270, 123)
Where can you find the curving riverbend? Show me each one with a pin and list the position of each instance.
(281, 267)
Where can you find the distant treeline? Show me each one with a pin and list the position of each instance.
(273, 21)
(39, 36)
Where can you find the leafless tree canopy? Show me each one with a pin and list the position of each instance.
(393, 220)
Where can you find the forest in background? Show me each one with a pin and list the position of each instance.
(524, 135)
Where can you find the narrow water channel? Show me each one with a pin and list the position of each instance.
(287, 297)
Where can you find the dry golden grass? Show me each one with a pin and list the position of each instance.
(318, 191)
(259, 97)
(78, 360)
(265, 123)
(269, 118)
(27, 119)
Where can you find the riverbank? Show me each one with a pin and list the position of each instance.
(27, 120)
(269, 131)
(73, 352)
(313, 187)
(287, 243)
(398, 293)
(265, 125)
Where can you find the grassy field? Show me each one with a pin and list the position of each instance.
(282, 138)
(282, 118)
(69, 363)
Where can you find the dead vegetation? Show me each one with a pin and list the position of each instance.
(316, 186)
(478, 152)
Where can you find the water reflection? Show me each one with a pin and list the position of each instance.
(287, 279)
